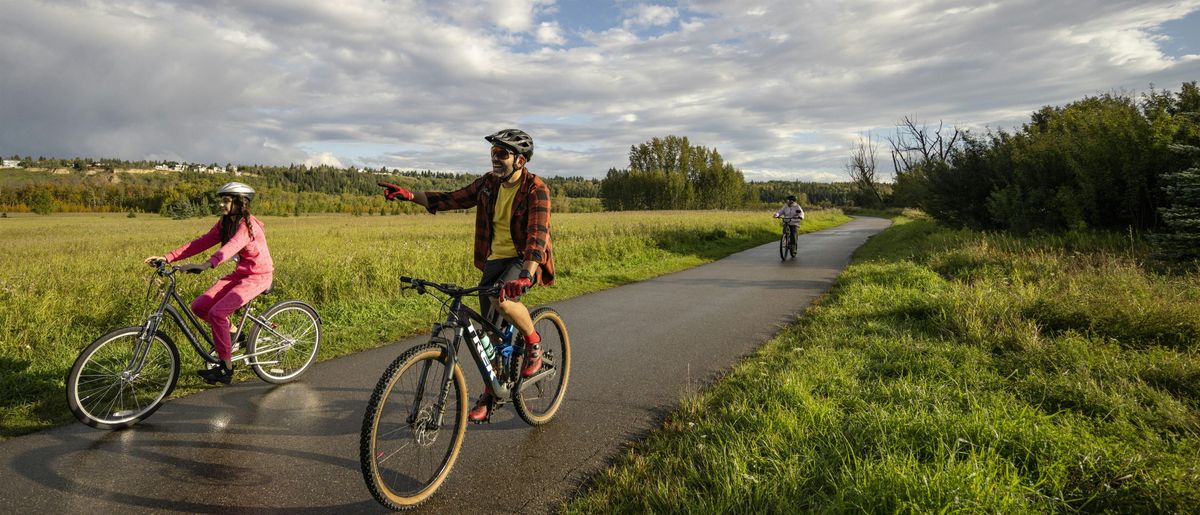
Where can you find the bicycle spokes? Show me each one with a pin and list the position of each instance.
(120, 379)
(405, 451)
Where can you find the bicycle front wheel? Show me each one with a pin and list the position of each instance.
(407, 445)
(783, 246)
(119, 379)
(538, 398)
(288, 342)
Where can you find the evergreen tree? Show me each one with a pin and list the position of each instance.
(1182, 216)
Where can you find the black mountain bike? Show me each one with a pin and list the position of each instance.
(417, 417)
(125, 375)
(787, 242)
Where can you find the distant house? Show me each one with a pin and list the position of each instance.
(10, 163)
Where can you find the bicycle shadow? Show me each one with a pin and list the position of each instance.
(241, 438)
(73, 454)
(292, 409)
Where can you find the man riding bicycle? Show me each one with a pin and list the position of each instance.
(792, 213)
(512, 238)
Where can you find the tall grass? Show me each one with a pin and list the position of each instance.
(67, 279)
(948, 371)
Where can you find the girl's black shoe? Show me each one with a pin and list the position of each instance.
(217, 373)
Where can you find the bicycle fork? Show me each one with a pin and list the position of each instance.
(142, 349)
(439, 406)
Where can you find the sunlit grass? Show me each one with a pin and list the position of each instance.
(67, 279)
(948, 371)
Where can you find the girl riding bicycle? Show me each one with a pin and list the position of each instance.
(242, 238)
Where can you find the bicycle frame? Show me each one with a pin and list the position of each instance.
(186, 321)
(459, 318)
(786, 234)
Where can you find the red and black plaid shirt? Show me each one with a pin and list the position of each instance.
(530, 225)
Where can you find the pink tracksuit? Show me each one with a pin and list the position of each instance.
(251, 277)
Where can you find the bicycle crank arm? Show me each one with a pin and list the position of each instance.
(544, 373)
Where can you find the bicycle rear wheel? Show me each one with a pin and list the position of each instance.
(119, 380)
(538, 398)
(404, 454)
(292, 341)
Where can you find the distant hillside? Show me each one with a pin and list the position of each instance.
(189, 190)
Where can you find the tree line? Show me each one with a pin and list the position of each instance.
(85, 185)
(1106, 162)
(664, 173)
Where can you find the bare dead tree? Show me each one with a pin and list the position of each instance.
(914, 144)
(861, 168)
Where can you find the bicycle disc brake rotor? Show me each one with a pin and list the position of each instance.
(423, 431)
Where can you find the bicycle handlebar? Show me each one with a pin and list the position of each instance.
(163, 269)
(452, 290)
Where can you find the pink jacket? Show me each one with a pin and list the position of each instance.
(252, 253)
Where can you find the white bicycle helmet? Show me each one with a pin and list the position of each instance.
(236, 188)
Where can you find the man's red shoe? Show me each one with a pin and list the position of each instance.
(533, 355)
(482, 412)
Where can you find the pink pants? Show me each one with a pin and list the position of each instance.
(230, 293)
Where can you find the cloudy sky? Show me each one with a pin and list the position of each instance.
(781, 88)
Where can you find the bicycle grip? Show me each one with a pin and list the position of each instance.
(406, 279)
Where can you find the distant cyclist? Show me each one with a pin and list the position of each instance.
(791, 213)
(512, 238)
(241, 237)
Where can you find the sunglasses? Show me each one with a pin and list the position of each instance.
(501, 152)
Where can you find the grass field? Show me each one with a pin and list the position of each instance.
(948, 371)
(67, 279)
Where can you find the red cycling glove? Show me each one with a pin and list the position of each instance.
(393, 192)
(515, 288)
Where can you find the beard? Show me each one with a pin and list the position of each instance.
(503, 171)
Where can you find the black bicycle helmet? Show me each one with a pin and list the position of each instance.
(236, 188)
(515, 140)
(791, 198)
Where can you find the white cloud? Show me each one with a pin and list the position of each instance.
(514, 15)
(645, 15)
(417, 83)
(323, 158)
(549, 33)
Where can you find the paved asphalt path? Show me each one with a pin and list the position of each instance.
(258, 448)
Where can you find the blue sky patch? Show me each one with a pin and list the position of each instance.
(1184, 35)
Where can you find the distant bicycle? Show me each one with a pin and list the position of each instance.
(787, 242)
(125, 375)
(417, 416)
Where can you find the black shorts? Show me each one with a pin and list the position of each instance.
(498, 271)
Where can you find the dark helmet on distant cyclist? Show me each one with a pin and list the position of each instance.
(515, 140)
(791, 198)
(236, 189)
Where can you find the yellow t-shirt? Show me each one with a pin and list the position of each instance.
(502, 244)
